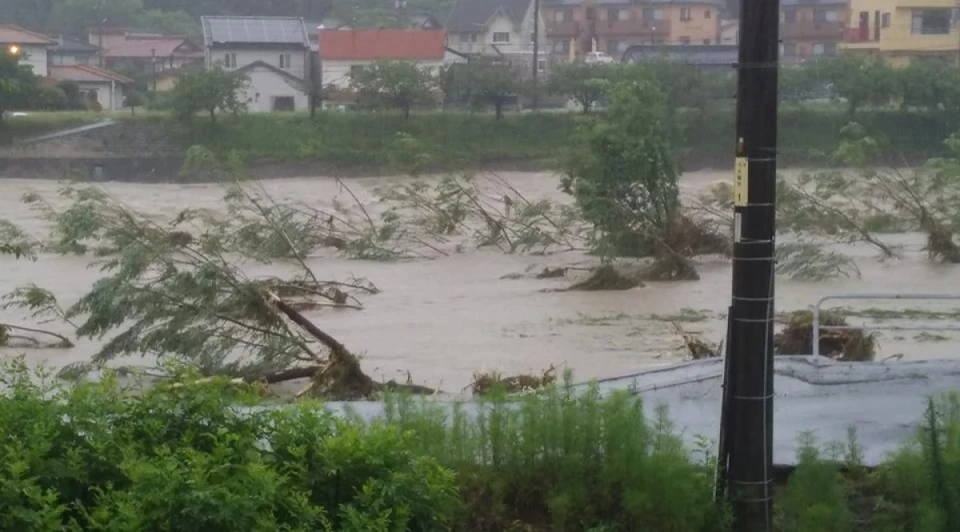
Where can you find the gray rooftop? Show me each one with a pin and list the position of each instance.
(473, 15)
(254, 30)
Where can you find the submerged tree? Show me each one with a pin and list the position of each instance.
(625, 180)
(585, 83)
(210, 91)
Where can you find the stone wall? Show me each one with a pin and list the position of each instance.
(112, 151)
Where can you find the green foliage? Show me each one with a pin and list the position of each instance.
(176, 22)
(860, 81)
(393, 85)
(480, 84)
(211, 91)
(809, 261)
(73, 16)
(816, 497)
(585, 83)
(931, 85)
(18, 83)
(567, 460)
(185, 455)
(623, 176)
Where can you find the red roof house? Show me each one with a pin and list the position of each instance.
(373, 45)
(343, 52)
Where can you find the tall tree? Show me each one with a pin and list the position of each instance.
(394, 84)
(210, 91)
(481, 84)
(75, 16)
(860, 81)
(584, 83)
(18, 84)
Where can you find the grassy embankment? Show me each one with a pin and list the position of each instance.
(182, 457)
(367, 141)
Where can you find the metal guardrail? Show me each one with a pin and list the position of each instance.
(901, 297)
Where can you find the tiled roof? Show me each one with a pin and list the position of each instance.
(382, 44)
(72, 46)
(147, 46)
(254, 30)
(86, 73)
(17, 35)
(473, 15)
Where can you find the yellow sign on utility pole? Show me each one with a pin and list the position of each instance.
(741, 182)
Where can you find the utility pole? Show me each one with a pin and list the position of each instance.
(536, 55)
(745, 473)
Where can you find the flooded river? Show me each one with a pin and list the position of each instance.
(445, 318)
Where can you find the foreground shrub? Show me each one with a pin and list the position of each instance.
(185, 457)
(563, 460)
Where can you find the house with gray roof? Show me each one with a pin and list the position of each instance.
(272, 52)
(495, 28)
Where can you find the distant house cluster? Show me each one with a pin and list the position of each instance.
(287, 59)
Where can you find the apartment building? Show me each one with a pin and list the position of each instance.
(899, 30)
(576, 27)
(811, 29)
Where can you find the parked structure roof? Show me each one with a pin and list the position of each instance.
(254, 30)
(706, 55)
(85, 73)
(144, 46)
(382, 44)
(11, 34)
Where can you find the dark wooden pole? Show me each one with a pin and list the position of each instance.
(746, 464)
(536, 55)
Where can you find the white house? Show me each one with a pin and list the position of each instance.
(343, 52)
(503, 28)
(99, 85)
(29, 45)
(273, 52)
(273, 89)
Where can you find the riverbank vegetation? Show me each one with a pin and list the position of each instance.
(193, 454)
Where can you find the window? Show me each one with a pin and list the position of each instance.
(886, 20)
(789, 15)
(931, 21)
(561, 16)
(230, 60)
(707, 14)
(501, 37)
(561, 47)
(685, 14)
(651, 13)
(284, 103)
(468, 37)
(825, 49)
(788, 50)
(613, 14)
(706, 42)
(285, 61)
(542, 65)
(591, 13)
(356, 70)
(683, 40)
(826, 15)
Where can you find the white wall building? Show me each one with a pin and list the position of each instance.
(31, 46)
(103, 86)
(502, 28)
(273, 52)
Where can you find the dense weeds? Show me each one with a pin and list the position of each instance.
(112, 456)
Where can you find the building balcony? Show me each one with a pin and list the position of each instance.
(641, 29)
(808, 30)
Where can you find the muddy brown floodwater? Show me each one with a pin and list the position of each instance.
(445, 318)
